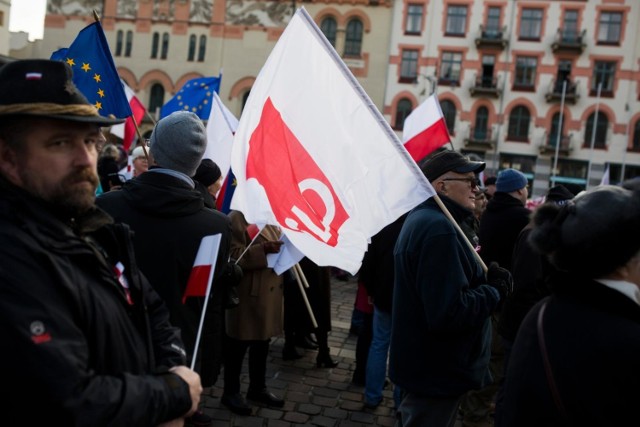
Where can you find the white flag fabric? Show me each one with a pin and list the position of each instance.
(288, 256)
(313, 155)
(221, 126)
(605, 177)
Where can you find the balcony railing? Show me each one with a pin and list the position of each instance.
(569, 41)
(554, 93)
(492, 37)
(479, 138)
(485, 86)
(548, 145)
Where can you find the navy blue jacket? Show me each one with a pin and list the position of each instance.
(441, 334)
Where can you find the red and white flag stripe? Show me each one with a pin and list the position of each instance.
(425, 129)
(127, 130)
(199, 282)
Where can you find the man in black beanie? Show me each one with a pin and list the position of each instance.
(208, 179)
(169, 219)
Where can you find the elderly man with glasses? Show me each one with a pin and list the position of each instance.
(442, 301)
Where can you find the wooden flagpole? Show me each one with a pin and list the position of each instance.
(299, 275)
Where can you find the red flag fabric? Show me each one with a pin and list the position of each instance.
(425, 129)
(201, 275)
(127, 130)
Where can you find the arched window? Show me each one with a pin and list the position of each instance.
(245, 97)
(119, 37)
(154, 45)
(403, 109)
(480, 130)
(192, 47)
(328, 26)
(519, 124)
(602, 125)
(165, 46)
(129, 44)
(353, 38)
(156, 98)
(636, 137)
(555, 131)
(449, 111)
(202, 49)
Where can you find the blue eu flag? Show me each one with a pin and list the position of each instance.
(94, 72)
(195, 96)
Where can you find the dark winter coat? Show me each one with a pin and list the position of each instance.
(592, 336)
(169, 220)
(500, 225)
(76, 350)
(441, 329)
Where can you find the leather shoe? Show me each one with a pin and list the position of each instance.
(266, 397)
(199, 419)
(305, 342)
(236, 404)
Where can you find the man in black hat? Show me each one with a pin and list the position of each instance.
(442, 301)
(87, 340)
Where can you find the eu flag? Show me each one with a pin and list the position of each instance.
(94, 72)
(195, 96)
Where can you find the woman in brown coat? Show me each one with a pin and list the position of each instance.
(256, 319)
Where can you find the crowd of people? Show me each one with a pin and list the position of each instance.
(476, 305)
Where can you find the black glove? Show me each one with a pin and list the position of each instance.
(500, 279)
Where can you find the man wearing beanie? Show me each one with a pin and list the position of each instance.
(168, 217)
(442, 300)
(208, 179)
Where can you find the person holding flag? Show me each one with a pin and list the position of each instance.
(169, 219)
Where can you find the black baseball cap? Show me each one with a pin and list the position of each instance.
(446, 161)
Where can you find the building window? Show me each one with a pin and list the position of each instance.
(129, 44)
(155, 40)
(603, 72)
(525, 164)
(119, 40)
(456, 20)
(519, 124)
(601, 131)
(245, 97)
(450, 67)
(610, 28)
(192, 48)
(353, 38)
(403, 109)
(165, 46)
(480, 130)
(570, 26)
(530, 24)
(156, 99)
(414, 19)
(202, 49)
(525, 77)
(636, 137)
(329, 27)
(1, 18)
(449, 112)
(493, 21)
(409, 66)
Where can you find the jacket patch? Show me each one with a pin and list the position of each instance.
(39, 334)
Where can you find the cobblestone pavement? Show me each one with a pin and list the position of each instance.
(313, 396)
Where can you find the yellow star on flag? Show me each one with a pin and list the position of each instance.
(98, 105)
(71, 62)
(96, 77)
(85, 67)
(101, 93)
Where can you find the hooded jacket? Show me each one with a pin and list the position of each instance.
(169, 220)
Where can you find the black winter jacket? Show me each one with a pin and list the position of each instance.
(76, 350)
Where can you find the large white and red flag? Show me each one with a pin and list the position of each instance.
(221, 126)
(199, 282)
(313, 155)
(127, 130)
(425, 129)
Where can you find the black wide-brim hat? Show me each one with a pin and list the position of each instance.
(44, 88)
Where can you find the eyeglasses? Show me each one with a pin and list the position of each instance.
(473, 182)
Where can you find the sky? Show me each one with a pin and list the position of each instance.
(28, 16)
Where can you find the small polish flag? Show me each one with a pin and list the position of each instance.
(199, 284)
(33, 76)
(425, 129)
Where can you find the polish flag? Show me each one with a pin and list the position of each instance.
(199, 284)
(425, 129)
(314, 156)
(127, 130)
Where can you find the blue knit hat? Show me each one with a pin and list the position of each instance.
(510, 180)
